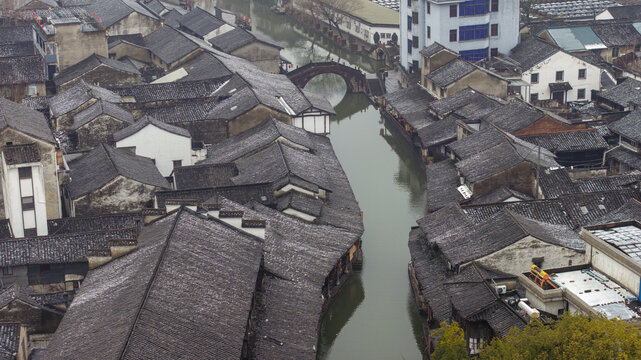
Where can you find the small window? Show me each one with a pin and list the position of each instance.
(615, 51)
(453, 35)
(580, 94)
(415, 42)
(409, 46)
(559, 76)
(415, 18)
(495, 6)
(409, 22)
(581, 73)
(24, 172)
(27, 203)
(534, 97)
(33, 90)
(442, 92)
(409, 3)
(453, 10)
(494, 30)
(570, 262)
(429, 32)
(177, 163)
(494, 52)
(428, 8)
(7, 270)
(534, 78)
(33, 232)
(415, 65)
(433, 87)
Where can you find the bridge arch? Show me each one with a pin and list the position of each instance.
(354, 78)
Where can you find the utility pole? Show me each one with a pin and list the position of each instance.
(538, 166)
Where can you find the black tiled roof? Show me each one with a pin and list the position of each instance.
(626, 92)
(135, 39)
(99, 108)
(630, 211)
(9, 340)
(532, 51)
(21, 154)
(461, 100)
(204, 176)
(499, 195)
(112, 11)
(147, 120)
(81, 92)
(104, 163)
(439, 132)
(179, 113)
(628, 126)
(82, 224)
(242, 194)
(92, 62)
(16, 34)
(22, 70)
(513, 116)
(451, 72)
(625, 156)
(442, 180)
(632, 12)
(613, 34)
(572, 141)
(432, 49)
(187, 292)
(169, 45)
(171, 91)
(412, 103)
(297, 201)
(24, 119)
(200, 22)
(17, 49)
(205, 66)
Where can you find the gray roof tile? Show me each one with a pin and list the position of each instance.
(25, 120)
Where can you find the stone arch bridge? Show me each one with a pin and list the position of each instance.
(354, 78)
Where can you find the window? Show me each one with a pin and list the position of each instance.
(429, 32)
(428, 8)
(494, 52)
(415, 65)
(433, 87)
(415, 18)
(452, 10)
(559, 76)
(534, 97)
(474, 55)
(494, 30)
(534, 78)
(409, 22)
(415, 41)
(581, 73)
(495, 6)
(473, 7)
(615, 52)
(580, 94)
(7, 270)
(177, 163)
(32, 90)
(409, 3)
(453, 35)
(24, 172)
(442, 92)
(27, 203)
(409, 46)
(473, 32)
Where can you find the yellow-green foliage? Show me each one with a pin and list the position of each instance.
(573, 337)
(451, 343)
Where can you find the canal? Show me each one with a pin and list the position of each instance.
(374, 317)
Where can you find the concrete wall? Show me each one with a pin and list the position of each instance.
(75, 45)
(104, 76)
(517, 258)
(441, 23)
(481, 81)
(161, 145)
(265, 57)
(135, 52)
(49, 168)
(134, 23)
(119, 195)
(99, 130)
(570, 66)
(520, 178)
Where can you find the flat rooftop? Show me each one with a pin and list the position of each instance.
(626, 238)
(599, 292)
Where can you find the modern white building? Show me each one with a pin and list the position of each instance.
(475, 29)
(169, 146)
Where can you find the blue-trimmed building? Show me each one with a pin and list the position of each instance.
(475, 29)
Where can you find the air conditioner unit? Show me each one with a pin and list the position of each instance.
(501, 289)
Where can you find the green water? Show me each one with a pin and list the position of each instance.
(374, 316)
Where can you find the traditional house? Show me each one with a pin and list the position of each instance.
(98, 70)
(258, 49)
(443, 74)
(65, 105)
(625, 156)
(109, 180)
(555, 74)
(68, 36)
(120, 17)
(169, 48)
(29, 170)
(169, 146)
(582, 148)
(13, 343)
(203, 24)
(22, 67)
(625, 96)
(97, 124)
(132, 46)
(21, 304)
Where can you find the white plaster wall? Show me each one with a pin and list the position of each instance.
(614, 270)
(570, 66)
(221, 30)
(299, 214)
(13, 203)
(161, 145)
(318, 124)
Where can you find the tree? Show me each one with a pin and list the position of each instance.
(334, 12)
(571, 337)
(451, 344)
